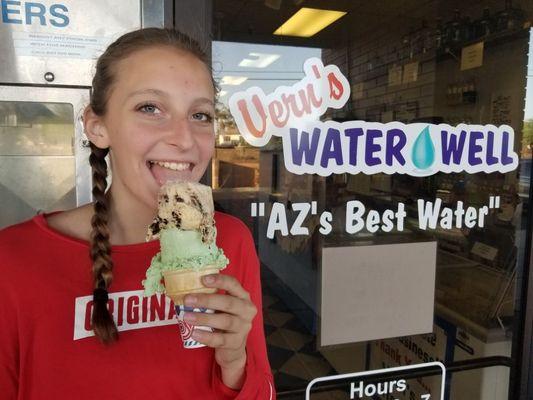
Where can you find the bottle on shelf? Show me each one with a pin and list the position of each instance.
(467, 29)
(449, 94)
(456, 27)
(448, 34)
(485, 26)
(439, 36)
(470, 93)
(427, 38)
(509, 19)
(503, 18)
(459, 97)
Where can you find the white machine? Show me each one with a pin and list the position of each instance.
(47, 53)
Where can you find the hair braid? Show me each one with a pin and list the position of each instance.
(102, 322)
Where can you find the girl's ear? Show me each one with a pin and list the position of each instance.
(95, 129)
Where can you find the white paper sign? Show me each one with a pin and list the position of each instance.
(472, 56)
(377, 291)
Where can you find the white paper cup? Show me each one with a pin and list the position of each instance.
(186, 329)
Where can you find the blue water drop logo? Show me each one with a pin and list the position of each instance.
(423, 153)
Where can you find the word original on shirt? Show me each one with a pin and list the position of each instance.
(130, 310)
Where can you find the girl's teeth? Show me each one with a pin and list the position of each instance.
(173, 166)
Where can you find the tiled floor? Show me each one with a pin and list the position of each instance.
(291, 347)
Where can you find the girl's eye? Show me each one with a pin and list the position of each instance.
(202, 117)
(149, 109)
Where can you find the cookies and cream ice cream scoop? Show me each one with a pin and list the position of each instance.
(186, 230)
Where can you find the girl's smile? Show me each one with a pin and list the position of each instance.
(158, 123)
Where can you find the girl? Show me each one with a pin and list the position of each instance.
(66, 333)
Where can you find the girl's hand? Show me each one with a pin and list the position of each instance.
(232, 323)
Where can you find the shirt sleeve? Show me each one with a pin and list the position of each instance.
(258, 382)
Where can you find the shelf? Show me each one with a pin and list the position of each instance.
(454, 50)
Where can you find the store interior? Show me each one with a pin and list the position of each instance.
(405, 61)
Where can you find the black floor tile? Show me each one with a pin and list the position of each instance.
(278, 356)
(309, 348)
(288, 382)
(295, 325)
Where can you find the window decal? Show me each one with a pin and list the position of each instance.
(311, 146)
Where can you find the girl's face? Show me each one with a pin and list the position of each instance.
(158, 121)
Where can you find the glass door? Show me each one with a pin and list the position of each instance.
(356, 276)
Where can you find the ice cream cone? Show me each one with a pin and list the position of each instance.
(179, 283)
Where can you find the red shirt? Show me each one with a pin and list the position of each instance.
(47, 350)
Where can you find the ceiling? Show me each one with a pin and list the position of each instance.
(253, 21)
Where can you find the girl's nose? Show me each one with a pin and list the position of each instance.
(180, 134)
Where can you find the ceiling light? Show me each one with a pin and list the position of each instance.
(233, 80)
(262, 60)
(308, 21)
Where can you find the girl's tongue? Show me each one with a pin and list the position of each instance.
(162, 174)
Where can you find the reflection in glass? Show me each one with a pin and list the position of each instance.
(28, 128)
(37, 167)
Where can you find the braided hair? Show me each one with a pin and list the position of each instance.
(100, 248)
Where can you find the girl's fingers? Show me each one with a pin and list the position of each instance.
(222, 302)
(231, 341)
(222, 321)
(227, 283)
(233, 319)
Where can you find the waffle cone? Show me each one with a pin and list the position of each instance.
(179, 283)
